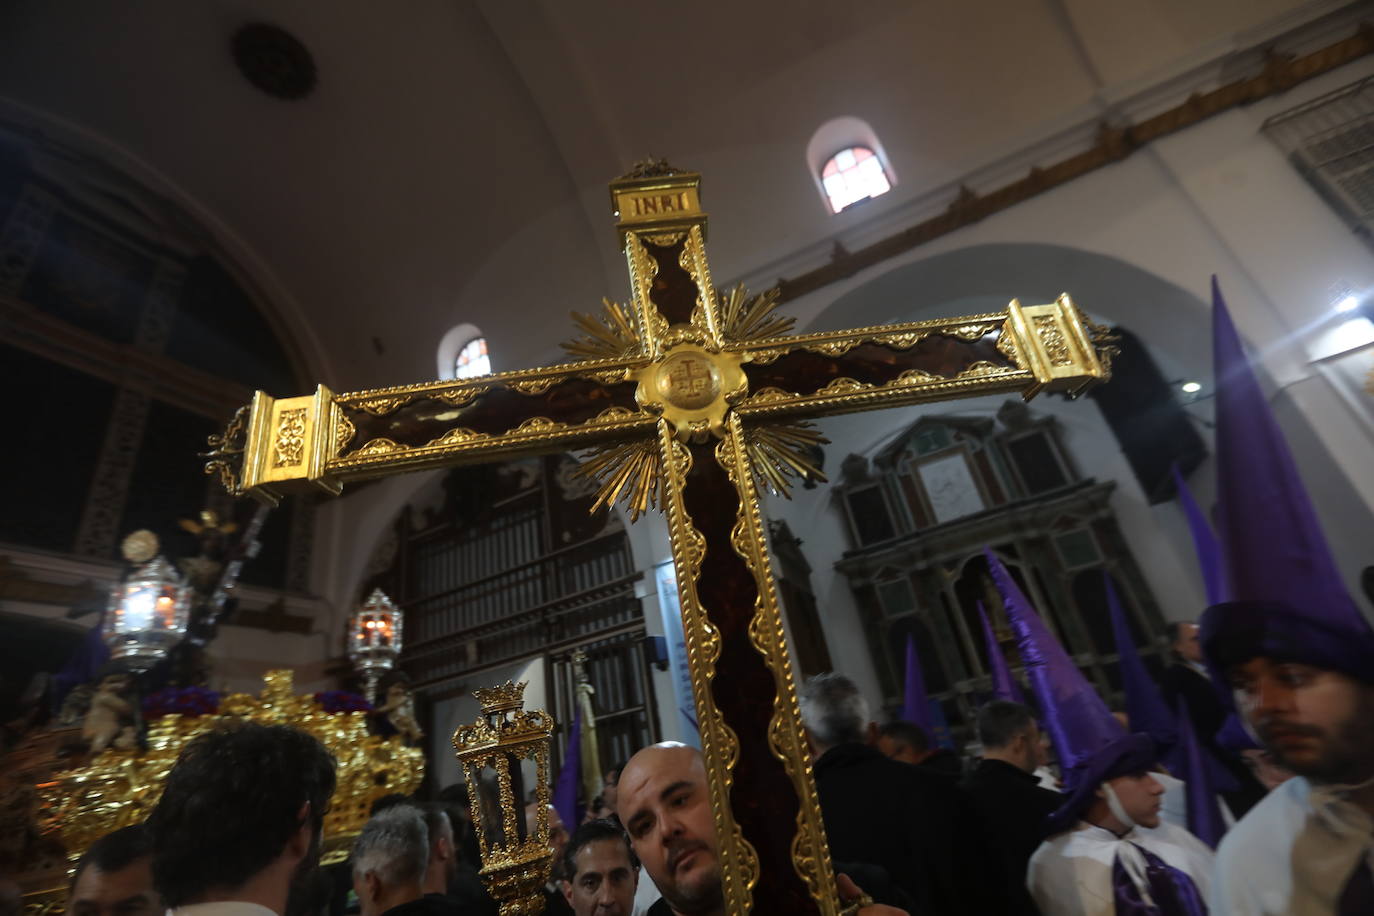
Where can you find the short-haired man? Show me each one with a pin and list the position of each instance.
(920, 827)
(390, 860)
(1110, 852)
(909, 743)
(443, 854)
(1006, 792)
(115, 877)
(600, 870)
(1188, 679)
(665, 805)
(240, 819)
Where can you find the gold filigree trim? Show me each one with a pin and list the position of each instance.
(810, 852)
(705, 313)
(457, 436)
(1006, 345)
(1052, 339)
(744, 317)
(766, 395)
(630, 472)
(381, 406)
(1106, 342)
(913, 377)
(288, 450)
(539, 425)
(609, 335)
(343, 431)
(643, 269)
(779, 451)
(612, 415)
(720, 746)
(226, 450)
(972, 331)
(665, 239)
(834, 348)
(461, 396)
(982, 367)
(765, 357)
(844, 385)
(534, 385)
(903, 341)
(378, 446)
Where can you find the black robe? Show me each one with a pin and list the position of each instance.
(1015, 807)
(1208, 713)
(920, 827)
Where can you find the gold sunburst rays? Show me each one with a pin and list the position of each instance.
(743, 317)
(778, 451)
(631, 470)
(610, 335)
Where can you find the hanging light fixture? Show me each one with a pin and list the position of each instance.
(149, 612)
(374, 639)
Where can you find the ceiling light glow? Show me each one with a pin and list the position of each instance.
(1191, 387)
(1347, 304)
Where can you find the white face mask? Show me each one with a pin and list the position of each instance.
(1114, 805)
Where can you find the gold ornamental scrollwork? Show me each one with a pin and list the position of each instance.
(719, 744)
(378, 446)
(343, 432)
(289, 448)
(461, 396)
(226, 450)
(382, 406)
(533, 385)
(458, 436)
(810, 850)
(1052, 339)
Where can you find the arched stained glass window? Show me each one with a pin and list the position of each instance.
(472, 359)
(852, 175)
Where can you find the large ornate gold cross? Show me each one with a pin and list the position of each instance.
(691, 400)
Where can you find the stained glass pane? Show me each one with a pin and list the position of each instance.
(853, 174)
(472, 360)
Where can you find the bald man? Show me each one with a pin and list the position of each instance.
(665, 804)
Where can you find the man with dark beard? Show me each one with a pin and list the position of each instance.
(1298, 653)
(237, 830)
(1307, 847)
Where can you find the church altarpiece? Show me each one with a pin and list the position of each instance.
(919, 513)
(509, 563)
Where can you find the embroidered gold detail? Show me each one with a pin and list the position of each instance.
(289, 449)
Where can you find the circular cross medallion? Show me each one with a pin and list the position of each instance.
(688, 380)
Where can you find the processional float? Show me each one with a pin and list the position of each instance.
(691, 400)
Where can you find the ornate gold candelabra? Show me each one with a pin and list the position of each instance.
(516, 862)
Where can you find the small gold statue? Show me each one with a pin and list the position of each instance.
(109, 720)
(399, 710)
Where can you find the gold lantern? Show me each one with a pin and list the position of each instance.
(516, 863)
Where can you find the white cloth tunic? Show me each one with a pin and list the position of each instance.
(1071, 873)
(1292, 854)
